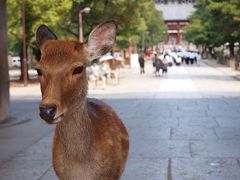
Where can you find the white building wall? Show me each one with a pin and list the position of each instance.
(175, 11)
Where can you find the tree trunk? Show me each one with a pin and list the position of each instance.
(24, 68)
(22, 65)
(4, 77)
(210, 52)
(231, 49)
(205, 52)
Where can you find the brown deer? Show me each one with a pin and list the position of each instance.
(90, 141)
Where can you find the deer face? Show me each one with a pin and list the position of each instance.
(62, 68)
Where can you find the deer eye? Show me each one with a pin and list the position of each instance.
(78, 70)
(39, 72)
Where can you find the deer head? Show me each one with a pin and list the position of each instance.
(62, 68)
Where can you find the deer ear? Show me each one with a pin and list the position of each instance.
(101, 39)
(43, 34)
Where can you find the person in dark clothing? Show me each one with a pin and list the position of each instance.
(165, 64)
(141, 63)
(158, 66)
(154, 60)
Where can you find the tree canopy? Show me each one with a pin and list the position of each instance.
(215, 23)
(37, 12)
(134, 17)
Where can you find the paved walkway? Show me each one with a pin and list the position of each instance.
(185, 125)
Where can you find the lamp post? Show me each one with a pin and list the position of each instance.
(85, 10)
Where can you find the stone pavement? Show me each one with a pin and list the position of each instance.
(183, 126)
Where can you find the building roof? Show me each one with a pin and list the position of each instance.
(174, 11)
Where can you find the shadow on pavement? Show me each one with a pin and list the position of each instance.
(181, 133)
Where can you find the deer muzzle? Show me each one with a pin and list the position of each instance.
(49, 113)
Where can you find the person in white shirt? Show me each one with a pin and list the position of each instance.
(96, 73)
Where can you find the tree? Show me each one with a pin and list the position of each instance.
(4, 79)
(156, 29)
(62, 17)
(134, 17)
(226, 16)
(37, 12)
(201, 30)
(214, 23)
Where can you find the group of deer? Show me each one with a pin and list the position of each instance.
(90, 141)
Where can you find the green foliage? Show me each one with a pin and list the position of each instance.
(134, 18)
(37, 12)
(156, 31)
(226, 15)
(214, 23)
(14, 25)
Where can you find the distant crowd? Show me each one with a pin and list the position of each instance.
(162, 60)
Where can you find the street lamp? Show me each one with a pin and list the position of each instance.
(85, 10)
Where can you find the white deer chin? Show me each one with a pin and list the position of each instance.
(58, 119)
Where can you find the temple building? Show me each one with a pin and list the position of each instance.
(175, 15)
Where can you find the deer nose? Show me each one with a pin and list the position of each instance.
(48, 112)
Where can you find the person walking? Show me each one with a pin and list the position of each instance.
(96, 73)
(158, 66)
(141, 63)
(165, 64)
(154, 60)
(105, 73)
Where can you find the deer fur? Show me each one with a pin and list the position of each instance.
(90, 141)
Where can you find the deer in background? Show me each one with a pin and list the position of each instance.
(90, 141)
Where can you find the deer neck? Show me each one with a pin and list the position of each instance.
(75, 131)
